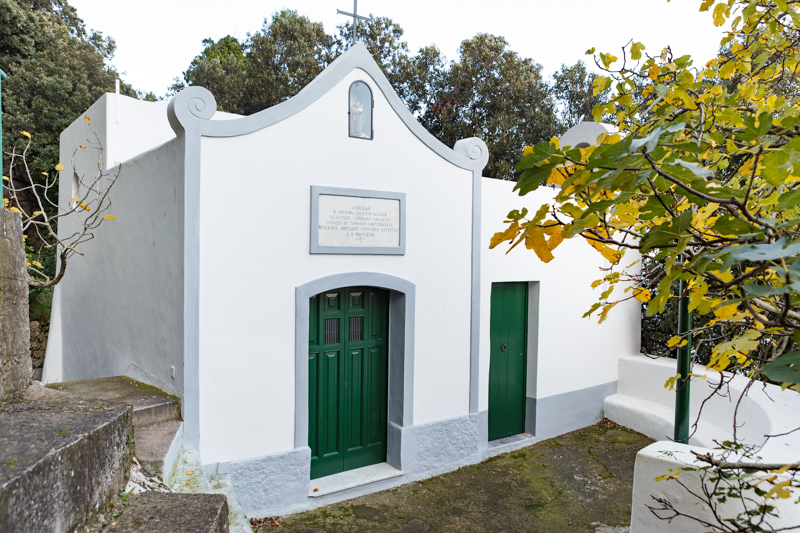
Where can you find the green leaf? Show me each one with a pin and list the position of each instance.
(758, 252)
(775, 167)
(753, 131)
(636, 50)
(788, 200)
(784, 369)
(531, 178)
(729, 225)
(759, 291)
(667, 233)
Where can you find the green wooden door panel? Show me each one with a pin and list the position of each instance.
(508, 328)
(347, 393)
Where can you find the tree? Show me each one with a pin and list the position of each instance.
(704, 184)
(492, 93)
(223, 66)
(573, 90)
(56, 70)
(269, 67)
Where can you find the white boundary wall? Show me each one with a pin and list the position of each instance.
(644, 405)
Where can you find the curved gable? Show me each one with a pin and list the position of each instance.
(191, 110)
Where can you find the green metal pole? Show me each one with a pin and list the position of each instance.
(2, 185)
(684, 368)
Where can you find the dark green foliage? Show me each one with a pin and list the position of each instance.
(489, 91)
(56, 70)
(572, 89)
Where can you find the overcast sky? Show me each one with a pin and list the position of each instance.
(157, 39)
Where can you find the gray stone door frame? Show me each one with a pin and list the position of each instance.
(402, 298)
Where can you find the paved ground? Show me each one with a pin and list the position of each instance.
(579, 482)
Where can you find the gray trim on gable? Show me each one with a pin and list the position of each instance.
(356, 57)
(314, 246)
(402, 302)
(475, 149)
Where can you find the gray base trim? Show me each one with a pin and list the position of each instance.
(530, 415)
(279, 483)
(272, 484)
(562, 413)
(447, 444)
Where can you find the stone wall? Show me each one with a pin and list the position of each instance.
(39, 332)
(15, 360)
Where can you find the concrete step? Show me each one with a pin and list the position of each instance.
(150, 405)
(153, 444)
(62, 458)
(190, 477)
(164, 512)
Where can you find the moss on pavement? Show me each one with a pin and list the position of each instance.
(577, 482)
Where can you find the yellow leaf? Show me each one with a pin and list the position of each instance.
(653, 72)
(670, 384)
(600, 84)
(609, 253)
(109, 217)
(727, 69)
(527, 151)
(779, 490)
(535, 241)
(26, 134)
(82, 148)
(674, 341)
(725, 311)
(506, 235)
(37, 213)
(719, 14)
(607, 59)
(87, 119)
(15, 210)
(643, 295)
(606, 309)
(83, 206)
(59, 167)
(555, 240)
(5, 178)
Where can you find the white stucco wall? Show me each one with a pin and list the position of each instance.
(254, 251)
(119, 308)
(573, 352)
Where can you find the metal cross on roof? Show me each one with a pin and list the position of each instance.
(356, 18)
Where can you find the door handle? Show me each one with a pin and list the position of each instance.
(503, 347)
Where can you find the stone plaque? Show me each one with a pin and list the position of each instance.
(354, 221)
(357, 221)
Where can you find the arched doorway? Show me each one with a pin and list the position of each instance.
(348, 346)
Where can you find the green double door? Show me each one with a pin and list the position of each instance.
(509, 324)
(348, 376)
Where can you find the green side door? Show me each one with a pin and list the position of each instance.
(508, 333)
(348, 377)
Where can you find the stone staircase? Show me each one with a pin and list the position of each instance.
(156, 416)
(158, 438)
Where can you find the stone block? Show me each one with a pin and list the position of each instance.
(161, 512)
(62, 459)
(15, 362)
